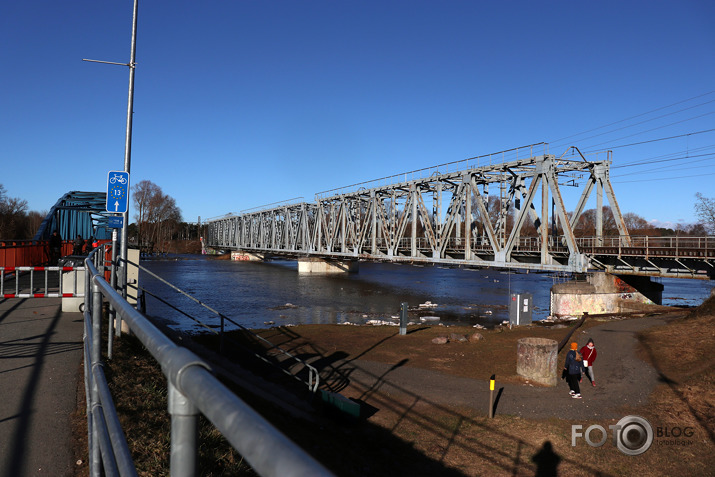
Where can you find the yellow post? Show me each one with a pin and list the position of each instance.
(491, 396)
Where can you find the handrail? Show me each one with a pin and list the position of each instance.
(313, 374)
(192, 389)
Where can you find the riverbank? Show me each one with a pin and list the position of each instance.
(422, 416)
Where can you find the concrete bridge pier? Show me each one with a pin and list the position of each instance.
(247, 257)
(605, 293)
(319, 265)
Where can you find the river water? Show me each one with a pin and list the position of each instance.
(260, 295)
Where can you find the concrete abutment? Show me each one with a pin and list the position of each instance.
(319, 265)
(247, 257)
(603, 293)
(305, 265)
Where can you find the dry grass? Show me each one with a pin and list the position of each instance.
(140, 395)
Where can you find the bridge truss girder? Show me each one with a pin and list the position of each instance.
(405, 221)
(77, 213)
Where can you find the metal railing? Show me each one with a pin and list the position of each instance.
(51, 284)
(28, 253)
(313, 375)
(192, 389)
(647, 246)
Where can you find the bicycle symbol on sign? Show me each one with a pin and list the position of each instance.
(118, 178)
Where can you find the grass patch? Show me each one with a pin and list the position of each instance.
(140, 396)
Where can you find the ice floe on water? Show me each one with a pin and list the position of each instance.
(429, 319)
(381, 323)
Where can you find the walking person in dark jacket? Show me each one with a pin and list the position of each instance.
(78, 245)
(574, 368)
(589, 354)
(55, 248)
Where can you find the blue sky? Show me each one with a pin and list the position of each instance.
(245, 103)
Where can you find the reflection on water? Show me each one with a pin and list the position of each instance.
(258, 295)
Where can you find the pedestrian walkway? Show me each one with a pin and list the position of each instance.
(40, 358)
(624, 381)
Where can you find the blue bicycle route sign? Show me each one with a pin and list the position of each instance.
(117, 191)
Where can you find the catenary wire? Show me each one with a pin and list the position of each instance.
(633, 117)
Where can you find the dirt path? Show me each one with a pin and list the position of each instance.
(623, 381)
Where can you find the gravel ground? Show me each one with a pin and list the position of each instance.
(623, 380)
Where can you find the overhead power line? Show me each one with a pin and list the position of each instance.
(708, 157)
(654, 160)
(634, 117)
(649, 120)
(662, 139)
(665, 178)
(653, 129)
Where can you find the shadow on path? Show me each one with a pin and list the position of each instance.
(24, 416)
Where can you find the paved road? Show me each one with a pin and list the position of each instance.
(40, 358)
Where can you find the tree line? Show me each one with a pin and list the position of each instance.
(16, 222)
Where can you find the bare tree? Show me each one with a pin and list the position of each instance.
(586, 225)
(143, 194)
(12, 216)
(705, 210)
(637, 225)
(157, 215)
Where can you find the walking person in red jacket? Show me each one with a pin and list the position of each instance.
(589, 356)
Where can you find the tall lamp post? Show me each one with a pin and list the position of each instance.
(127, 143)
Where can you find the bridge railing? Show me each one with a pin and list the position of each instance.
(28, 253)
(675, 246)
(192, 389)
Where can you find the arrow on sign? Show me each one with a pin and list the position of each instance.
(116, 205)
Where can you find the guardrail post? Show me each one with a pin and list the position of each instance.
(184, 434)
(95, 357)
(100, 258)
(113, 319)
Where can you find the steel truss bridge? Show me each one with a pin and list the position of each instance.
(77, 212)
(446, 215)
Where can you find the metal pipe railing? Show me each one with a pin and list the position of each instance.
(313, 375)
(192, 389)
(49, 285)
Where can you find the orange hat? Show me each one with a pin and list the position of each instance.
(574, 345)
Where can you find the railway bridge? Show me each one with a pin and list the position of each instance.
(446, 215)
(498, 211)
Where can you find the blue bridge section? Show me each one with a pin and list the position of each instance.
(77, 213)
